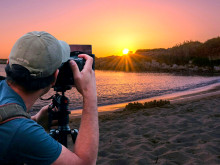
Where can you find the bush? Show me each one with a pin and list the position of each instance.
(137, 106)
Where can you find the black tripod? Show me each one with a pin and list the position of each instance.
(62, 115)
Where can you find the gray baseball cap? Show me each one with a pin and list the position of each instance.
(40, 53)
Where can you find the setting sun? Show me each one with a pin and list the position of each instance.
(125, 51)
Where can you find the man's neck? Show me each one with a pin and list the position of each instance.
(29, 98)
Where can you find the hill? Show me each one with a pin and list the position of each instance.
(189, 56)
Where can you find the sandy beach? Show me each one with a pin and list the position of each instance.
(187, 131)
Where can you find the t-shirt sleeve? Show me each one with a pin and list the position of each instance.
(34, 146)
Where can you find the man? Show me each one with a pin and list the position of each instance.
(31, 71)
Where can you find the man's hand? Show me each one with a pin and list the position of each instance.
(85, 80)
(42, 118)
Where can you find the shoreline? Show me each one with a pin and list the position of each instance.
(174, 98)
(183, 132)
(174, 72)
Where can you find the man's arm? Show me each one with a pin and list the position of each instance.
(86, 146)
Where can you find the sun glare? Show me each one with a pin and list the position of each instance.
(125, 51)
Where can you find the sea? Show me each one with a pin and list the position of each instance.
(115, 87)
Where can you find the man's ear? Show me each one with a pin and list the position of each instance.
(55, 77)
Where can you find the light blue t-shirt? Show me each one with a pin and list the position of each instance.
(23, 140)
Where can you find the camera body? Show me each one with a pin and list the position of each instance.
(65, 79)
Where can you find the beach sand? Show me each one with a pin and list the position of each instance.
(185, 132)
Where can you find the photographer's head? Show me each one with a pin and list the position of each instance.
(34, 60)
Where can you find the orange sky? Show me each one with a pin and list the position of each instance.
(111, 25)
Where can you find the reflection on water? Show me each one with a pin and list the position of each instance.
(116, 87)
(121, 86)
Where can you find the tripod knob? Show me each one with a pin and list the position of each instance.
(57, 132)
(54, 133)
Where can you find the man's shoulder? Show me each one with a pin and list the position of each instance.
(24, 125)
(31, 139)
(22, 121)
(25, 128)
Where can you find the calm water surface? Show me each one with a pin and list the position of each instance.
(117, 87)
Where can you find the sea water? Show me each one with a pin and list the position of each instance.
(117, 87)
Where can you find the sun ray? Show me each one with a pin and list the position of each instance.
(130, 64)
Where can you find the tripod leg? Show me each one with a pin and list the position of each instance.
(63, 138)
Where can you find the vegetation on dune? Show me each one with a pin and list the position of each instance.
(132, 108)
(151, 104)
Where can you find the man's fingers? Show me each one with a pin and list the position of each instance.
(74, 68)
(89, 61)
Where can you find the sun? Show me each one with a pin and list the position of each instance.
(125, 51)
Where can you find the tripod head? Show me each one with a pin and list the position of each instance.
(62, 115)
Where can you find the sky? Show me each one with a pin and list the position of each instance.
(111, 25)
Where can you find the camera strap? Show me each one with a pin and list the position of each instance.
(12, 111)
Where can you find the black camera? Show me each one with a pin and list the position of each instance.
(65, 79)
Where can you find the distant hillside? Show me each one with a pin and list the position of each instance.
(202, 54)
(188, 56)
